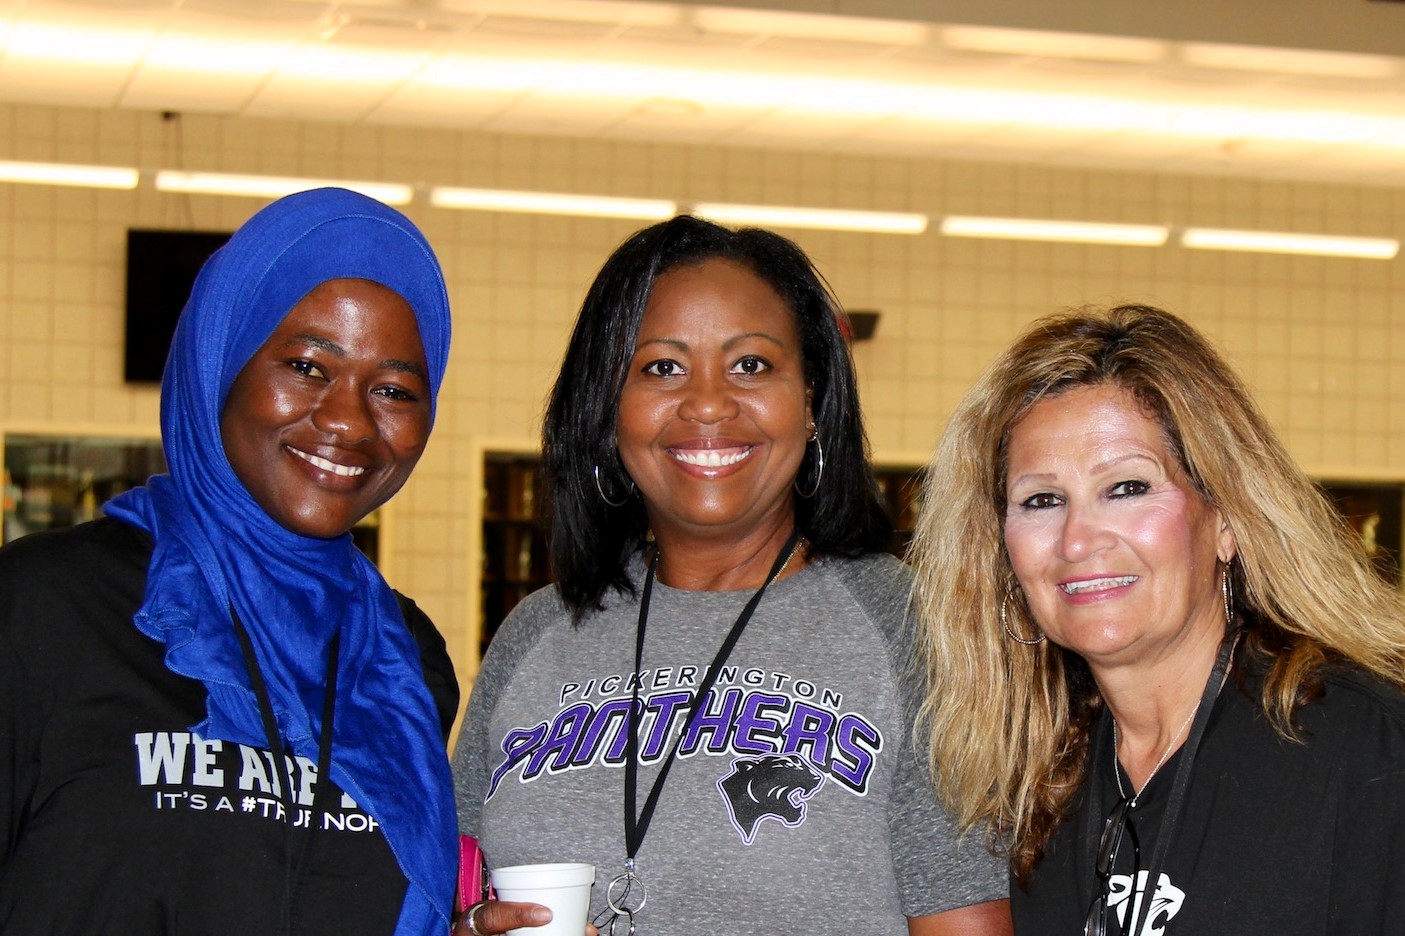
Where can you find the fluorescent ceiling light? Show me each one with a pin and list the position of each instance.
(97, 46)
(1288, 61)
(1371, 248)
(219, 183)
(829, 219)
(114, 177)
(1083, 232)
(819, 94)
(810, 26)
(610, 12)
(591, 206)
(1038, 42)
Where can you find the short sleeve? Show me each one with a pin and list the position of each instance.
(512, 642)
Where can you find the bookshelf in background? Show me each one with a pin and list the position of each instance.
(1374, 511)
(514, 546)
(901, 489)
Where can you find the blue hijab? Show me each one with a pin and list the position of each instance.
(215, 547)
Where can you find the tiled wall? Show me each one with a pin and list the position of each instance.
(1322, 341)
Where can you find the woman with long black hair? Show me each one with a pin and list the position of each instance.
(710, 704)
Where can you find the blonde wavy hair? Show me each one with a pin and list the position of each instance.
(1009, 724)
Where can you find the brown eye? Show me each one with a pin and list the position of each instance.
(751, 365)
(664, 368)
(399, 394)
(306, 368)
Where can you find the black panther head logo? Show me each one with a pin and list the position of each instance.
(772, 786)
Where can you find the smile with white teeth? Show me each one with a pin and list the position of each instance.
(346, 471)
(705, 458)
(1097, 584)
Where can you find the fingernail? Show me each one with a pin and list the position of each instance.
(541, 915)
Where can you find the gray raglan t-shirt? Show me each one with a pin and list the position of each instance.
(797, 802)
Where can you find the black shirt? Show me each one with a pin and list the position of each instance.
(1277, 837)
(114, 818)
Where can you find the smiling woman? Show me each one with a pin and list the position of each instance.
(1159, 663)
(725, 653)
(328, 418)
(714, 414)
(216, 709)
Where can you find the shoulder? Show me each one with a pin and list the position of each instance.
(877, 582)
(94, 564)
(1359, 702)
(541, 609)
(519, 634)
(1356, 725)
(67, 598)
(868, 593)
(872, 577)
(53, 553)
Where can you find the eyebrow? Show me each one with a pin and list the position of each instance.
(726, 345)
(405, 367)
(1042, 476)
(317, 341)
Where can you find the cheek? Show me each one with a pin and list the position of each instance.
(1162, 533)
(408, 433)
(637, 422)
(1029, 544)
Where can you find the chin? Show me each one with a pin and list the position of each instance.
(316, 526)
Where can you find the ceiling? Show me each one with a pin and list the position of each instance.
(1271, 88)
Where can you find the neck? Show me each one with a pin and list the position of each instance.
(1153, 705)
(692, 565)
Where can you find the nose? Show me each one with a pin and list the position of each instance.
(344, 411)
(708, 398)
(1084, 532)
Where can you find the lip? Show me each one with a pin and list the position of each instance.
(327, 466)
(1087, 589)
(710, 458)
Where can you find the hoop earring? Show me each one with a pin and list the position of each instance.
(1005, 623)
(598, 487)
(1227, 589)
(819, 467)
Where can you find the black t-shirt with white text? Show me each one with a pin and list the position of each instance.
(1276, 837)
(114, 817)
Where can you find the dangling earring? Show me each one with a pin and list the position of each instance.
(1005, 622)
(819, 466)
(1227, 589)
(619, 503)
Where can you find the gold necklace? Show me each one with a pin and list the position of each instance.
(781, 571)
(1117, 774)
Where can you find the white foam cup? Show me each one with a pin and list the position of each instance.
(564, 887)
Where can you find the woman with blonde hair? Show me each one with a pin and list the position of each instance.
(1155, 653)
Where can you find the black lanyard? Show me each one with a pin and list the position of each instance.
(636, 826)
(1175, 803)
(293, 871)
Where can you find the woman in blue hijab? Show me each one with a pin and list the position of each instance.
(177, 679)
